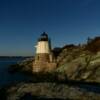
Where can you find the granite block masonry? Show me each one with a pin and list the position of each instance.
(44, 58)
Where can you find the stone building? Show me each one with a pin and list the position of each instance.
(44, 59)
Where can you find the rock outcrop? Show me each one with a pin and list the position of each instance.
(24, 66)
(81, 62)
(30, 91)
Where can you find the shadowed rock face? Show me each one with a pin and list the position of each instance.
(30, 91)
(28, 96)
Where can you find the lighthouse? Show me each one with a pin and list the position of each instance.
(44, 59)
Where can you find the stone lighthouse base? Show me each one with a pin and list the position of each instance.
(39, 66)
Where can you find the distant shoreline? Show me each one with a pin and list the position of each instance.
(14, 57)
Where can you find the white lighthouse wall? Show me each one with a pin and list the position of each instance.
(43, 47)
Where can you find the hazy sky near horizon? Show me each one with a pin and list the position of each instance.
(65, 21)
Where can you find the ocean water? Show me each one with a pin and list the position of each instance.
(5, 76)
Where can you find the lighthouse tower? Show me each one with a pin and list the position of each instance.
(44, 60)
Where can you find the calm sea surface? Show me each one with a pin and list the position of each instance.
(5, 77)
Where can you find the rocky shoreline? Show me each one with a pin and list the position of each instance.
(85, 67)
(77, 76)
(46, 90)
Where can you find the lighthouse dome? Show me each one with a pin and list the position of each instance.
(43, 37)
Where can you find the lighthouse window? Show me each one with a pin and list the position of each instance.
(38, 57)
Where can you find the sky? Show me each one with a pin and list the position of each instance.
(65, 21)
